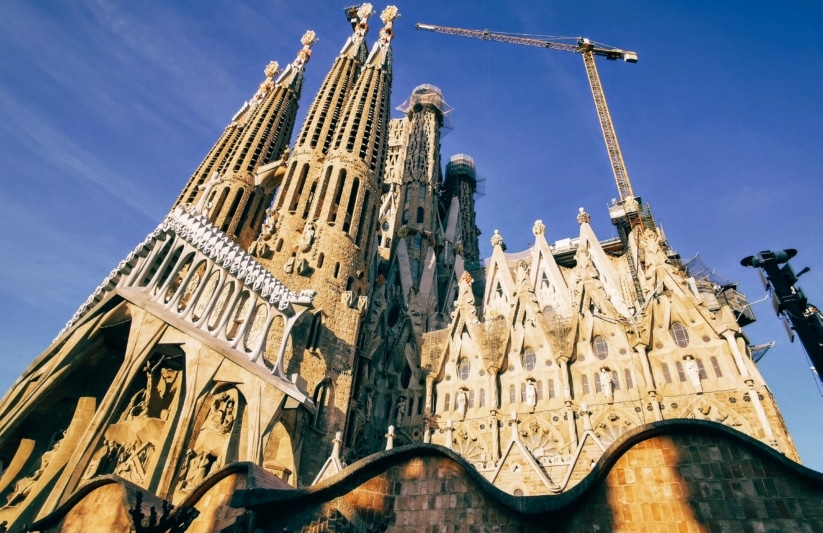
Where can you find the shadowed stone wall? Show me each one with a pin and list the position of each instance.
(678, 476)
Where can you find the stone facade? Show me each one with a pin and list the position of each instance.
(301, 310)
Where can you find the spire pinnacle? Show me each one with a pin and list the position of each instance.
(388, 16)
(359, 19)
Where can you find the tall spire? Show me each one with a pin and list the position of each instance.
(322, 117)
(223, 186)
(319, 234)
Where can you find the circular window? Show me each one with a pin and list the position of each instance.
(529, 359)
(600, 347)
(463, 368)
(679, 334)
(385, 226)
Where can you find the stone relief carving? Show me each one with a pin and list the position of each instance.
(307, 238)
(22, 487)
(129, 444)
(208, 451)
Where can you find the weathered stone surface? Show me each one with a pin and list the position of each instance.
(668, 476)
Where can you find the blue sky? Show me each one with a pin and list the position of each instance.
(107, 107)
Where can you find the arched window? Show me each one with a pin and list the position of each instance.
(666, 375)
(701, 369)
(482, 398)
(615, 380)
(529, 359)
(471, 399)
(629, 380)
(422, 193)
(313, 337)
(417, 242)
(551, 389)
(415, 268)
(421, 215)
(320, 258)
(405, 377)
(464, 367)
(716, 367)
(512, 394)
(539, 387)
(680, 373)
(336, 269)
(584, 380)
(600, 347)
(679, 334)
(446, 402)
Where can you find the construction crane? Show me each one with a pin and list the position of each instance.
(627, 214)
(588, 50)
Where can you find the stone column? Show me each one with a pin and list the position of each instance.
(571, 424)
(564, 374)
(738, 357)
(493, 425)
(643, 355)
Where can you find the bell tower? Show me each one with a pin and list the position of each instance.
(232, 186)
(321, 224)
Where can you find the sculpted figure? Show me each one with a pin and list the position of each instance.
(606, 383)
(693, 372)
(461, 403)
(307, 238)
(207, 188)
(531, 394)
(401, 409)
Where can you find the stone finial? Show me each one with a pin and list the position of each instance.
(304, 54)
(390, 438)
(497, 239)
(365, 11)
(337, 441)
(583, 217)
(271, 69)
(309, 39)
(389, 15)
(539, 228)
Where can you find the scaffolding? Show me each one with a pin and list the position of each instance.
(428, 95)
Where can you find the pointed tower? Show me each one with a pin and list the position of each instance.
(404, 290)
(323, 220)
(228, 186)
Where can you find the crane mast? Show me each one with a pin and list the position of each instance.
(588, 50)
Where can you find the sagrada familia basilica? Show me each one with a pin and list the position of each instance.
(310, 341)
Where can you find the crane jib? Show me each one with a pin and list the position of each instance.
(588, 49)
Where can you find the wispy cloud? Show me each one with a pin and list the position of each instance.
(53, 146)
